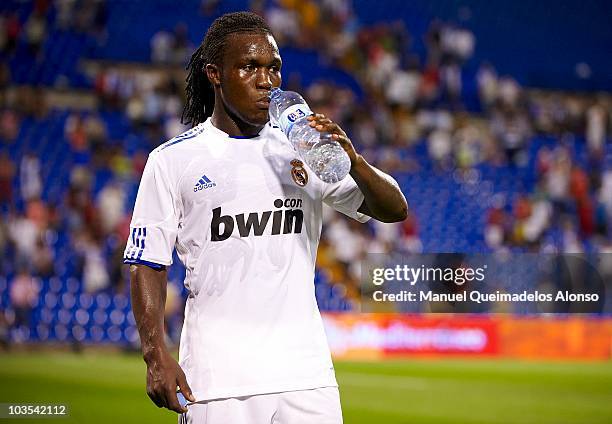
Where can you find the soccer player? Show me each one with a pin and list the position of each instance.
(244, 215)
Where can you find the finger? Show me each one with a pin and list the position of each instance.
(172, 401)
(184, 387)
(342, 139)
(316, 116)
(330, 127)
(337, 129)
(320, 121)
(322, 126)
(164, 396)
(154, 396)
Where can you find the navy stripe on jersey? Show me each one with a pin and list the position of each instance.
(243, 137)
(185, 136)
(138, 243)
(143, 262)
(133, 244)
(142, 242)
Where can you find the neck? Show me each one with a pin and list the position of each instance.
(229, 123)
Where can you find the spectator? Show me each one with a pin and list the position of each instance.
(7, 173)
(95, 274)
(512, 129)
(4, 331)
(30, 180)
(3, 34)
(557, 181)
(64, 14)
(95, 131)
(43, 261)
(111, 204)
(9, 126)
(74, 131)
(403, 87)
(35, 32)
(5, 81)
(487, 85)
(346, 243)
(571, 241)
(410, 241)
(100, 20)
(537, 222)
(6, 257)
(181, 47)
(209, 7)
(457, 44)
(439, 147)
(451, 83)
(23, 233)
(596, 130)
(12, 28)
(284, 24)
(161, 47)
(605, 193)
(509, 92)
(24, 296)
(468, 146)
(497, 223)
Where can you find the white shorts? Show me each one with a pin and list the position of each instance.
(320, 406)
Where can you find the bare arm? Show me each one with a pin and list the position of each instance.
(148, 291)
(383, 199)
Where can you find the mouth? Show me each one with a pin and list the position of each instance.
(263, 103)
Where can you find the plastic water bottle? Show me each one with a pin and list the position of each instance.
(324, 156)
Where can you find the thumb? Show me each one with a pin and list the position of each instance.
(184, 387)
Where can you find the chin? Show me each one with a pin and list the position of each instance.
(261, 118)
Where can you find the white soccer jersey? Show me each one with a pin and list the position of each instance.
(245, 218)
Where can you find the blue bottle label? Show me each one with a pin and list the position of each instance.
(293, 114)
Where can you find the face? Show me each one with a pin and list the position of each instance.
(250, 68)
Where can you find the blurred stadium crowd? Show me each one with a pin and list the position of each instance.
(486, 164)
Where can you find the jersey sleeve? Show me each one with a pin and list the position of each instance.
(345, 196)
(154, 225)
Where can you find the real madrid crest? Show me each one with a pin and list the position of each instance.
(298, 173)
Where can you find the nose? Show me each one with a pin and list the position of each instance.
(263, 79)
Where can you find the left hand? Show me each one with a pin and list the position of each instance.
(323, 124)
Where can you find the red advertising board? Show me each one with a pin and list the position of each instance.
(372, 336)
(375, 335)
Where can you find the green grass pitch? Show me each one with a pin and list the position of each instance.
(109, 388)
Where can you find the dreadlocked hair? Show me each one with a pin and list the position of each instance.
(199, 91)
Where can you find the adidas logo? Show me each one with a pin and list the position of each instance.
(203, 183)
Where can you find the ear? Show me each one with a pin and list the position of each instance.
(213, 72)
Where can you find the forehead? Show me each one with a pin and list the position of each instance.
(251, 45)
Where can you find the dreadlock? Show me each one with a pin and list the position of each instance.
(199, 90)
